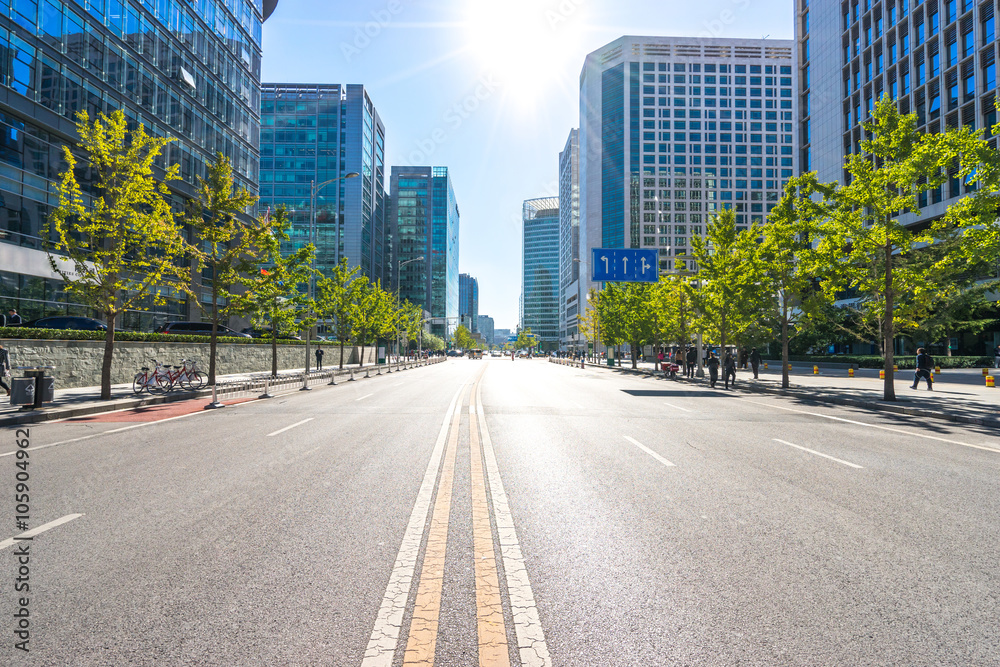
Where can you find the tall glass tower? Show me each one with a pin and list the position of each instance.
(317, 133)
(540, 270)
(188, 69)
(468, 301)
(424, 220)
(570, 296)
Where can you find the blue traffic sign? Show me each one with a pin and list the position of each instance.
(624, 265)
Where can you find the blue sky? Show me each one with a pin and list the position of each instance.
(488, 89)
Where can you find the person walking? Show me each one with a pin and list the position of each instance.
(744, 357)
(713, 369)
(692, 362)
(729, 369)
(13, 319)
(925, 363)
(754, 362)
(996, 356)
(4, 369)
(659, 360)
(319, 358)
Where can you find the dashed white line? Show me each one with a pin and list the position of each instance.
(288, 428)
(677, 407)
(825, 456)
(363, 397)
(649, 451)
(11, 541)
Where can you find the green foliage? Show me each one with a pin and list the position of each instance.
(123, 248)
(464, 339)
(31, 333)
(336, 297)
(432, 342)
(626, 313)
(674, 309)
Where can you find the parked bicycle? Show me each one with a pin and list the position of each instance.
(152, 380)
(166, 377)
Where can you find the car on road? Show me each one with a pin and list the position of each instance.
(69, 322)
(198, 329)
(475, 354)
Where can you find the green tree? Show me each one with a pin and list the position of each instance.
(789, 258)
(629, 309)
(432, 342)
(674, 309)
(865, 245)
(123, 247)
(336, 298)
(464, 339)
(373, 313)
(227, 241)
(276, 296)
(588, 321)
(731, 289)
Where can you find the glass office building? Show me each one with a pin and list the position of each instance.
(570, 296)
(468, 301)
(540, 270)
(184, 69)
(315, 133)
(425, 223)
(673, 129)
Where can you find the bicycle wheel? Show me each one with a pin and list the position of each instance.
(160, 384)
(139, 383)
(194, 381)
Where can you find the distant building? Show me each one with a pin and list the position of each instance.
(424, 223)
(674, 129)
(468, 299)
(540, 270)
(485, 327)
(500, 336)
(572, 291)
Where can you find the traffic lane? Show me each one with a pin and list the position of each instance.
(778, 541)
(205, 544)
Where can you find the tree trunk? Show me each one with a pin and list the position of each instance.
(213, 342)
(636, 351)
(109, 352)
(947, 346)
(274, 346)
(342, 355)
(361, 357)
(889, 389)
(784, 346)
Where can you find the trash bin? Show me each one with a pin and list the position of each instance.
(33, 389)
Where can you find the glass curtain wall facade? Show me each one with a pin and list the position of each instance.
(673, 130)
(486, 328)
(318, 133)
(468, 301)
(540, 274)
(936, 58)
(570, 298)
(188, 70)
(424, 222)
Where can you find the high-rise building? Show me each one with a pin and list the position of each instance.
(424, 222)
(540, 270)
(673, 129)
(569, 242)
(468, 300)
(188, 70)
(485, 327)
(500, 336)
(315, 133)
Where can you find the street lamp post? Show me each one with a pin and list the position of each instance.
(400, 265)
(313, 192)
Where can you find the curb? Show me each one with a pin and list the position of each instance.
(991, 422)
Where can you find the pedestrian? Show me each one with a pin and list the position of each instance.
(319, 358)
(744, 357)
(13, 319)
(713, 369)
(692, 361)
(659, 360)
(754, 362)
(729, 369)
(4, 369)
(996, 356)
(925, 363)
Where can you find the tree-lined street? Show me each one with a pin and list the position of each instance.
(659, 523)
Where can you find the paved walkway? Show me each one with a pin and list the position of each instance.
(958, 395)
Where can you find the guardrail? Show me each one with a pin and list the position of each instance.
(265, 385)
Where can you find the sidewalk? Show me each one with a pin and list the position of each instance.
(83, 401)
(960, 395)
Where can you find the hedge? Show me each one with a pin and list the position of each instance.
(29, 333)
(875, 361)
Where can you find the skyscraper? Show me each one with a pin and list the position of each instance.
(673, 129)
(313, 133)
(540, 270)
(486, 328)
(569, 241)
(188, 70)
(424, 220)
(468, 300)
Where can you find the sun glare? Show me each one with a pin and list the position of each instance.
(527, 45)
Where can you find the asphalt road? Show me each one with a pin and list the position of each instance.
(497, 512)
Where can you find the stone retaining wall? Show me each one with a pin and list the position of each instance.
(78, 362)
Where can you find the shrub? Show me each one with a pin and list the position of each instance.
(27, 333)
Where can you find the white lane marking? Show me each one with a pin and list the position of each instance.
(363, 397)
(97, 435)
(881, 428)
(677, 407)
(528, 629)
(649, 451)
(825, 456)
(288, 428)
(385, 634)
(399, 384)
(11, 541)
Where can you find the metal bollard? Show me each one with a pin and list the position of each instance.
(333, 377)
(305, 382)
(368, 373)
(378, 370)
(215, 404)
(352, 375)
